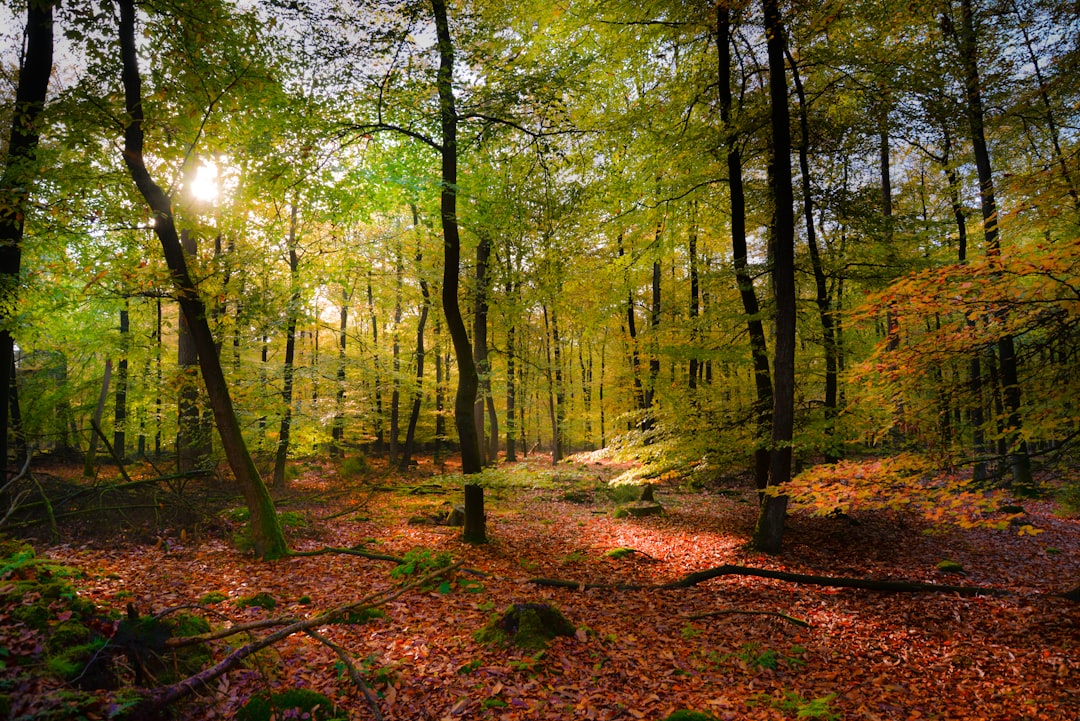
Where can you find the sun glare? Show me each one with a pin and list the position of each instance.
(205, 185)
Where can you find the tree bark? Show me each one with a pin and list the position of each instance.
(480, 348)
(120, 409)
(189, 434)
(292, 313)
(425, 292)
(768, 535)
(821, 288)
(395, 395)
(269, 541)
(18, 175)
(475, 523)
(755, 328)
(380, 432)
(1016, 446)
(337, 431)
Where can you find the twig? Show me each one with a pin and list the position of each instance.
(354, 673)
(739, 611)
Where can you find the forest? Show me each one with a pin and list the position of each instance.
(440, 359)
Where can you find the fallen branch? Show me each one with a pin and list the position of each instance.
(354, 672)
(692, 579)
(158, 698)
(741, 612)
(354, 551)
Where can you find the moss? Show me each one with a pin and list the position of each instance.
(67, 633)
(688, 715)
(213, 597)
(260, 600)
(188, 624)
(293, 703)
(619, 552)
(363, 615)
(355, 465)
(526, 625)
(70, 662)
(947, 566)
(35, 615)
(304, 600)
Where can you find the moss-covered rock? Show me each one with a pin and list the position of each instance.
(526, 625)
(293, 703)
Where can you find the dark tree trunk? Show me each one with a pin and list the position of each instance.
(380, 432)
(281, 456)
(769, 532)
(440, 391)
(475, 523)
(1017, 447)
(337, 430)
(480, 346)
(554, 377)
(269, 541)
(755, 328)
(631, 329)
(189, 433)
(18, 175)
(395, 395)
(414, 415)
(511, 386)
(695, 306)
(120, 409)
(821, 288)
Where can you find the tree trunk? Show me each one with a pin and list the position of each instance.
(18, 175)
(695, 307)
(475, 523)
(440, 391)
(480, 346)
(395, 395)
(631, 329)
(1017, 447)
(820, 285)
(269, 541)
(769, 532)
(281, 456)
(551, 339)
(189, 433)
(511, 386)
(120, 409)
(337, 431)
(755, 329)
(380, 432)
(414, 415)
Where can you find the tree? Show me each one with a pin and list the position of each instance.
(269, 541)
(770, 526)
(18, 175)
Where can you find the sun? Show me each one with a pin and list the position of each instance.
(205, 185)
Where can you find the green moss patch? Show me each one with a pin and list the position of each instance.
(526, 625)
(258, 600)
(294, 703)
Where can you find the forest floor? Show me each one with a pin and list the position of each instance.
(637, 654)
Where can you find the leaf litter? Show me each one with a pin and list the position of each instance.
(637, 654)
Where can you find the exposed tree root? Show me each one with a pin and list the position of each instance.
(692, 579)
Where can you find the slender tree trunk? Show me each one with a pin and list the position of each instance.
(1017, 447)
(600, 394)
(281, 456)
(586, 391)
(768, 534)
(269, 541)
(120, 409)
(820, 284)
(475, 522)
(337, 431)
(695, 306)
(90, 462)
(440, 390)
(395, 395)
(554, 377)
(380, 432)
(631, 329)
(189, 432)
(18, 175)
(425, 308)
(755, 328)
(480, 344)
(511, 386)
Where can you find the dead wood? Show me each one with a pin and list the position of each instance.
(156, 699)
(870, 584)
(743, 612)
